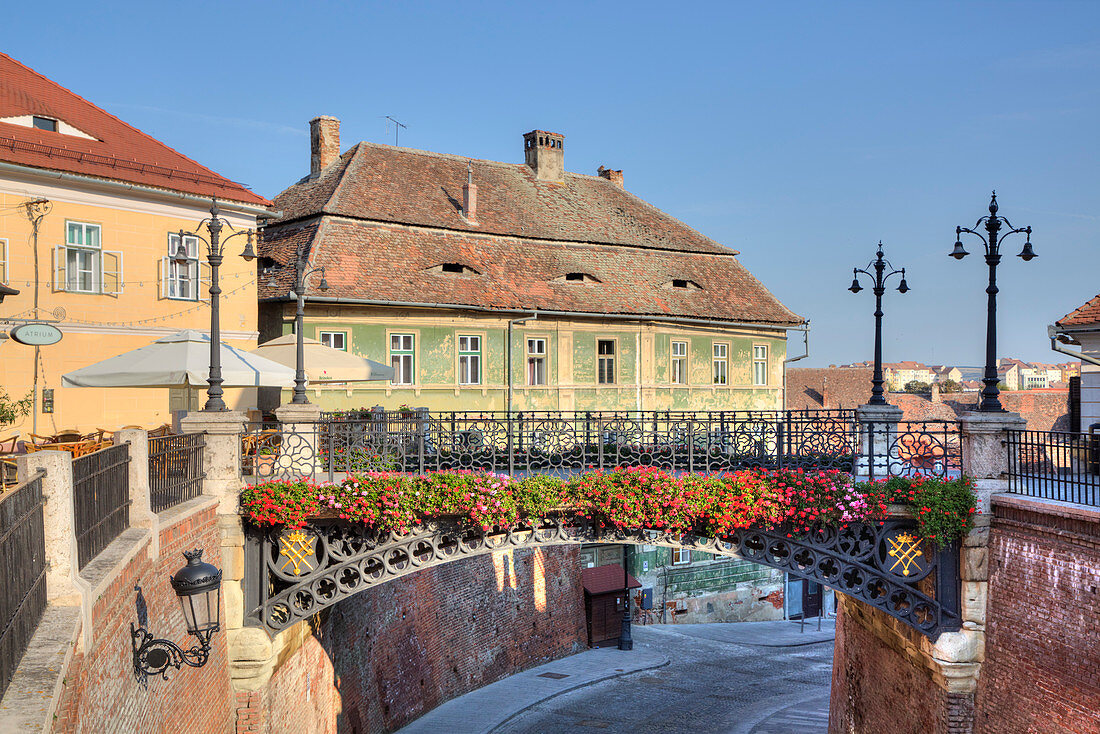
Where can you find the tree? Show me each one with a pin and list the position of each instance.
(13, 410)
(950, 386)
(916, 386)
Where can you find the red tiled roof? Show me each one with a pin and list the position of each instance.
(389, 214)
(815, 388)
(1087, 314)
(603, 579)
(118, 151)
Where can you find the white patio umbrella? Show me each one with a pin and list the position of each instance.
(178, 360)
(323, 364)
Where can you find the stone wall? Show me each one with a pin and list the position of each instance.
(100, 693)
(385, 656)
(1042, 671)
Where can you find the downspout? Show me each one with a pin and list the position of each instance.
(508, 351)
(1054, 333)
(806, 353)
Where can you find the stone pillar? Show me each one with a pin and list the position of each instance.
(59, 516)
(141, 507)
(957, 656)
(298, 446)
(878, 427)
(222, 455)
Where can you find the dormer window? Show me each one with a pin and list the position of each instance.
(682, 284)
(577, 278)
(44, 123)
(453, 269)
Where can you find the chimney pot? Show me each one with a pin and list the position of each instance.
(615, 177)
(324, 143)
(469, 197)
(545, 153)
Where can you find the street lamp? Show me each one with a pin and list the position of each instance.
(879, 287)
(302, 271)
(215, 249)
(990, 401)
(198, 586)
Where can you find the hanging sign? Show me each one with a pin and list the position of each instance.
(36, 335)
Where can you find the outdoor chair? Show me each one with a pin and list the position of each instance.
(8, 473)
(161, 430)
(9, 445)
(67, 435)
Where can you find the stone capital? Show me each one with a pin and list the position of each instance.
(214, 423)
(878, 414)
(977, 422)
(298, 413)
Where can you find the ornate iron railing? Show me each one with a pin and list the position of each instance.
(175, 469)
(23, 564)
(910, 448)
(1055, 465)
(101, 499)
(293, 573)
(561, 443)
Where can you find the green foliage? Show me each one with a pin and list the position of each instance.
(13, 410)
(950, 386)
(916, 386)
(944, 508)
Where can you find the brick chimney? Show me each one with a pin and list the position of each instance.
(936, 391)
(544, 153)
(825, 392)
(469, 197)
(615, 177)
(324, 143)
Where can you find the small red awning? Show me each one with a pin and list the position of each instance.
(605, 579)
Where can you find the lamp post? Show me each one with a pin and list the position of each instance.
(215, 247)
(878, 279)
(626, 640)
(302, 271)
(991, 403)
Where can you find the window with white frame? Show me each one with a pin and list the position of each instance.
(469, 360)
(181, 279)
(760, 364)
(721, 363)
(679, 365)
(681, 556)
(5, 275)
(334, 339)
(536, 361)
(402, 358)
(605, 361)
(81, 265)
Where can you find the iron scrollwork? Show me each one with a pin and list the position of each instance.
(153, 656)
(298, 572)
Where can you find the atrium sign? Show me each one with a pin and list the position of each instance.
(36, 335)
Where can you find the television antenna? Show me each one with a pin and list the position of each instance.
(396, 128)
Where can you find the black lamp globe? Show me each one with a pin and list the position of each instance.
(199, 586)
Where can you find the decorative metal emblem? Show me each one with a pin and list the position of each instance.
(297, 548)
(906, 549)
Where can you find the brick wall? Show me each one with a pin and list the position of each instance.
(1042, 669)
(880, 684)
(385, 656)
(100, 692)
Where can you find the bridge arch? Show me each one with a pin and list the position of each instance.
(293, 573)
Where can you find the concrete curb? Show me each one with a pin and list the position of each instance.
(575, 686)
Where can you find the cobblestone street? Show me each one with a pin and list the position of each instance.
(718, 680)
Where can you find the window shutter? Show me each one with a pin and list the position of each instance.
(112, 273)
(60, 277)
(162, 277)
(204, 282)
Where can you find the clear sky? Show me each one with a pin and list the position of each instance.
(800, 133)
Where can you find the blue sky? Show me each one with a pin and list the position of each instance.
(800, 133)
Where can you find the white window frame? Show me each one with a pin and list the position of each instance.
(104, 267)
(328, 337)
(180, 281)
(536, 360)
(760, 365)
(469, 359)
(401, 356)
(611, 374)
(681, 556)
(5, 267)
(720, 363)
(678, 362)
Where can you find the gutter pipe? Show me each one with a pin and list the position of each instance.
(256, 210)
(806, 353)
(1054, 332)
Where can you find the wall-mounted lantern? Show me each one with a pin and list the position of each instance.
(198, 586)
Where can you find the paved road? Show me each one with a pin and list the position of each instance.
(746, 678)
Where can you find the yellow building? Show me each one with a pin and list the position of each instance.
(88, 211)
